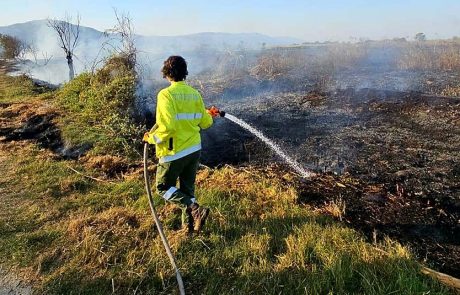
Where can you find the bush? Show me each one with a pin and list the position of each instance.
(99, 110)
(11, 47)
(273, 64)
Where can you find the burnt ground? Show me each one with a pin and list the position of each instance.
(430, 228)
(397, 155)
(35, 121)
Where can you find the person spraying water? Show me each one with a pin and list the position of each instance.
(180, 115)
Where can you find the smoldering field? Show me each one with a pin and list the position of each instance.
(378, 120)
(382, 114)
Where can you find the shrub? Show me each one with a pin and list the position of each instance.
(11, 47)
(273, 64)
(99, 110)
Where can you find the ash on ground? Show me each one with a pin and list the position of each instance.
(406, 144)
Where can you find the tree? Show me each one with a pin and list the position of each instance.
(420, 37)
(68, 34)
(11, 47)
(124, 31)
(33, 50)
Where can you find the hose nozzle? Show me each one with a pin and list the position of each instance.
(214, 111)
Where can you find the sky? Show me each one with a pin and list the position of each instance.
(308, 20)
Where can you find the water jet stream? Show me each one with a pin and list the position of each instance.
(277, 149)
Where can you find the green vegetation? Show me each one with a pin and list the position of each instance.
(19, 88)
(76, 235)
(97, 110)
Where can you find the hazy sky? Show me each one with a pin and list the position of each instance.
(309, 20)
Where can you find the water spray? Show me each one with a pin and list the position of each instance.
(214, 111)
(276, 148)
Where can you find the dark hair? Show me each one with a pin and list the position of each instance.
(175, 68)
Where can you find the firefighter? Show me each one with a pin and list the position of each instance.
(180, 115)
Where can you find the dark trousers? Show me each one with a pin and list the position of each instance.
(183, 169)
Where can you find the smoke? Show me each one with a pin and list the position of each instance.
(304, 97)
(233, 60)
(229, 65)
(94, 46)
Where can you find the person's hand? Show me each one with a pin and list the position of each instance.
(146, 137)
(213, 111)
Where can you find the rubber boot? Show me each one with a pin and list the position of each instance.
(199, 215)
(187, 220)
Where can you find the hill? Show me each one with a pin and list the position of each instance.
(38, 33)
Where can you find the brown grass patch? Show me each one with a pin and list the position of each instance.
(117, 220)
(109, 165)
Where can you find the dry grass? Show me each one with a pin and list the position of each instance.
(346, 55)
(259, 240)
(336, 208)
(271, 65)
(296, 67)
(451, 91)
(110, 166)
(433, 55)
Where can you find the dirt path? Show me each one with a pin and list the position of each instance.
(10, 284)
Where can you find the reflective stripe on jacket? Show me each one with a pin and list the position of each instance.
(180, 115)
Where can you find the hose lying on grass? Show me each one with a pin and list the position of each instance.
(158, 223)
(443, 278)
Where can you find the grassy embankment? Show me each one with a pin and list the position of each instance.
(73, 235)
(15, 89)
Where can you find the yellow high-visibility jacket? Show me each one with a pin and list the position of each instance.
(180, 115)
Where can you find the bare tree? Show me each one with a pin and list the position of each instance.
(420, 37)
(68, 34)
(124, 31)
(45, 57)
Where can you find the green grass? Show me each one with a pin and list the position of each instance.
(75, 235)
(18, 88)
